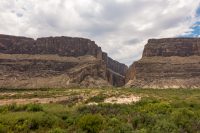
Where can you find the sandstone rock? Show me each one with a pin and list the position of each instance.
(64, 46)
(172, 47)
(56, 62)
(167, 63)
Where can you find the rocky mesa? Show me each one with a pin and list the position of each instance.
(167, 63)
(56, 62)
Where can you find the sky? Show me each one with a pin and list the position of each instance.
(120, 27)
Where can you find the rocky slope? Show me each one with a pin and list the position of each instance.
(167, 63)
(56, 62)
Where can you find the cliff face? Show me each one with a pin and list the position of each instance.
(56, 62)
(167, 63)
(63, 46)
(115, 71)
(172, 47)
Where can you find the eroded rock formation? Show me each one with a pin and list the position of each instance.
(167, 63)
(56, 62)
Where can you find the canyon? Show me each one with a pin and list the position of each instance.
(61, 62)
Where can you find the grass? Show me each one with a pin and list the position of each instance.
(167, 111)
(19, 108)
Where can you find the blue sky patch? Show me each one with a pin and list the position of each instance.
(196, 27)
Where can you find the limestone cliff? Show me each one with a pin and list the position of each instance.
(167, 63)
(56, 62)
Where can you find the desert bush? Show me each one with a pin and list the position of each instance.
(34, 107)
(91, 123)
(164, 125)
(3, 109)
(12, 108)
(22, 125)
(71, 101)
(98, 98)
(114, 125)
(143, 120)
(33, 122)
(3, 128)
(186, 120)
(69, 122)
(57, 130)
(47, 121)
(146, 101)
(158, 108)
(106, 109)
(17, 108)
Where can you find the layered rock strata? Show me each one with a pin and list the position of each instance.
(56, 62)
(167, 63)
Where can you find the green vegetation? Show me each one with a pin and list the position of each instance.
(159, 111)
(91, 123)
(18, 108)
(98, 98)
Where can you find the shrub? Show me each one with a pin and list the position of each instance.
(114, 122)
(47, 121)
(12, 108)
(3, 129)
(158, 108)
(165, 126)
(106, 109)
(22, 124)
(16, 108)
(34, 124)
(3, 109)
(69, 122)
(114, 125)
(99, 98)
(146, 101)
(57, 130)
(186, 120)
(71, 101)
(91, 123)
(34, 107)
(144, 120)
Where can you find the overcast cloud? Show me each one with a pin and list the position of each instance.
(120, 27)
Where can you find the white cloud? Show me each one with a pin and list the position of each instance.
(120, 27)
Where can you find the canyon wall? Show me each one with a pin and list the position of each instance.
(56, 62)
(167, 63)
